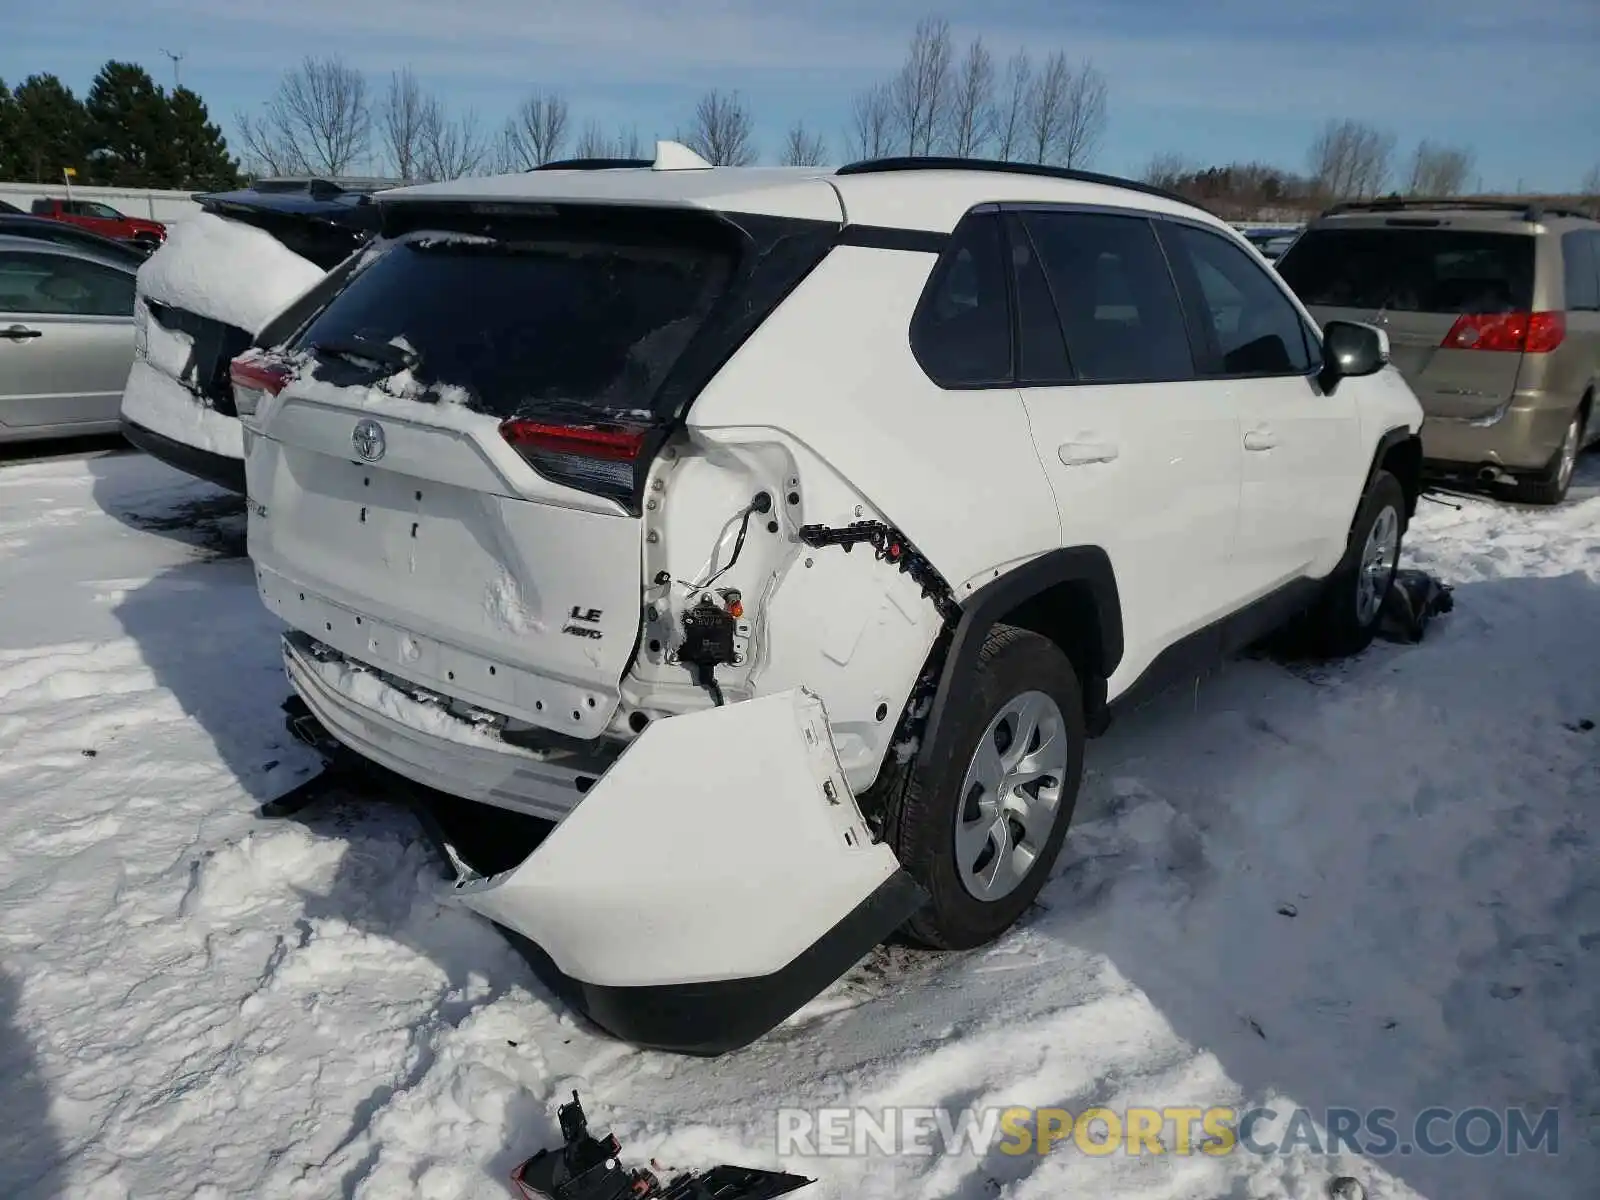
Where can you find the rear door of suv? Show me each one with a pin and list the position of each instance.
(1143, 454)
(1453, 295)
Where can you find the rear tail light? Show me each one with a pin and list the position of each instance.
(256, 377)
(601, 459)
(1520, 332)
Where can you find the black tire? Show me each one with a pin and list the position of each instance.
(921, 806)
(1337, 628)
(1550, 485)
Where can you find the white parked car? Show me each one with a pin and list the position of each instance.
(783, 533)
(216, 284)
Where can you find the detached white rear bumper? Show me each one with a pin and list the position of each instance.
(716, 876)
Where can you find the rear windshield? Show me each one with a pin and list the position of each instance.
(554, 321)
(1412, 270)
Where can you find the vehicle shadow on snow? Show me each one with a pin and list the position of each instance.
(30, 1151)
(153, 498)
(1372, 885)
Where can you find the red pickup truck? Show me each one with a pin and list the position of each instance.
(104, 220)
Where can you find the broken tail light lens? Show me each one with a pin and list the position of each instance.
(1519, 332)
(256, 377)
(599, 459)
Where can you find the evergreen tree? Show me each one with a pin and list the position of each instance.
(51, 129)
(130, 129)
(10, 161)
(200, 152)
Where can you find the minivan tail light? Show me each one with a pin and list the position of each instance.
(602, 459)
(256, 377)
(1520, 332)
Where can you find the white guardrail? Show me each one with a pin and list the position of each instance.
(148, 203)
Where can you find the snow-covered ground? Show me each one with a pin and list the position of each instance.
(1368, 887)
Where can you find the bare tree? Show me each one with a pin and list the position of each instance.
(804, 148)
(450, 147)
(536, 132)
(1011, 113)
(1085, 119)
(722, 130)
(872, 123)
(921, 91)
(1589, 190)
(594, 142)
(1045, 114)
(400, 123)
(971, 118)
(318, 121)
(1439, 170)
(1350, 160)
(1167, 170)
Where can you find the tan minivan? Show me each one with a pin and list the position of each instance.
(1493, 316)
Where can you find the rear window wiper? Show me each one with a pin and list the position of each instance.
(362, 351)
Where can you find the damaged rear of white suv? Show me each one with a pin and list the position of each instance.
(708, 512)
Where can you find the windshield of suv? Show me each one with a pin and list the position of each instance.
(586, 322)
(1412, 270)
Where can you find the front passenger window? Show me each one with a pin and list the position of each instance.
(1254, 328)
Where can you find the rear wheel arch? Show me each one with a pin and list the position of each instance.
(1068, 596)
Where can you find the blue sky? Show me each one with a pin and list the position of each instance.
(1218, 80)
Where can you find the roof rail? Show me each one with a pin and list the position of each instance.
(1531, 211)
(594, 164)
(874, 166)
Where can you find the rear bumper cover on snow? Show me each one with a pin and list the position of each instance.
(214, 468)
(717, 876)
(721, 1015)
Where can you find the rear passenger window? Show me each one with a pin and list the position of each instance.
(1253, 327)
(961, 333)
(1115, 298)
(1579, 254)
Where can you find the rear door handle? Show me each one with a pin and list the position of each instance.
(20, 333)
(1078, 454)
(1260, 439)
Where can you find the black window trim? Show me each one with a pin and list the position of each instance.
(1204, 352)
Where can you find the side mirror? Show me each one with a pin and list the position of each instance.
(1350, 350)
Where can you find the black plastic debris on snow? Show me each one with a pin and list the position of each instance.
(589, 1168)
(1415, 599)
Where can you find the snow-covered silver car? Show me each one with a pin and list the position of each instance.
(66, 339)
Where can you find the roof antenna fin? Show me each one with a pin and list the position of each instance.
(675, 156)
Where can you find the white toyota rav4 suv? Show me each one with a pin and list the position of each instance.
(782, 534)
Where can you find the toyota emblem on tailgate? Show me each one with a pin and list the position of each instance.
(368, 440)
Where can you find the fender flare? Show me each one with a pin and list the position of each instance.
(1389, 439)
(983, 609)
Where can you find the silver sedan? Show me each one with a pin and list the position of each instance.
(66, 339)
